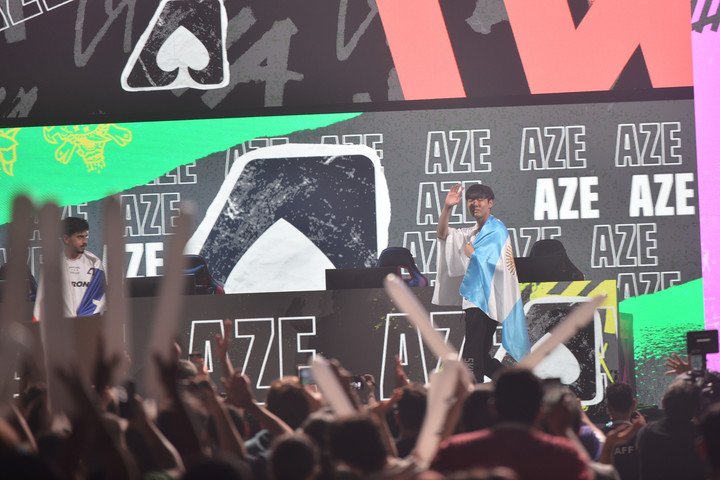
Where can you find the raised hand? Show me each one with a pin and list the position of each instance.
(223, 343)
(239, 392)
(313, 397)
(454, 196)
(401, 378)
(135, 412)
(677, 365)
(83, 401)
(381, 408)
(624, 433)
(167, 371)
(369, 385)
(104, 367)
(345, 378)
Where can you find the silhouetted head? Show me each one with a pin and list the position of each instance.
(681, 401)
(294, 457)
(411, 407)
(357, 442)
(620, 399)
(709, 444)
(287, 400)
(476, 411)
(518, 396)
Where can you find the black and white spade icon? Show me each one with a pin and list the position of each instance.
(183, 47)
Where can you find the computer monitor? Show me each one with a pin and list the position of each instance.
(548, 268)
(345, 278)
(150, 286)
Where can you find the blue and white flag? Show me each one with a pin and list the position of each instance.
(491, 283)
(93, 301)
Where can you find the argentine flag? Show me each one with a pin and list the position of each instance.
(491, 283)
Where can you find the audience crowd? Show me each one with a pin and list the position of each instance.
(516, 427)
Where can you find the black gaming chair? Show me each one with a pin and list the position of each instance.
(400, 257)
(32, 285)
(205, 284)
(554, 251)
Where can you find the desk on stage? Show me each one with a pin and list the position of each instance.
(274, 333)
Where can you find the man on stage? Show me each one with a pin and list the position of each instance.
(83, 275)
(476, 270)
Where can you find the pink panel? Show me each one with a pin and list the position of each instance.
(706, 69)
(421, 49)
(558, 57)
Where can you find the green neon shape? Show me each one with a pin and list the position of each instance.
(660, 320)
(155, 149)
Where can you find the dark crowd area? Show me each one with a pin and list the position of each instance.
(515, 427)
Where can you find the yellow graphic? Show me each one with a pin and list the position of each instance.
(8, 149)
(540, 290)
(604, 365)
(610, 304)
(88, 141)
(575, 289)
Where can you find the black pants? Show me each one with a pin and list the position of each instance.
(479, 334)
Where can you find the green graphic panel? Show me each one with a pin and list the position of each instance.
(83, 163)
(660, 322)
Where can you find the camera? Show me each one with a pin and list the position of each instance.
(702, 342)
(699, 344)
(306, 376)
(357, 383)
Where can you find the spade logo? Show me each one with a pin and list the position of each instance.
(183, 47)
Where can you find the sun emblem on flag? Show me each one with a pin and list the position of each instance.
(509, 259)
(87, 141)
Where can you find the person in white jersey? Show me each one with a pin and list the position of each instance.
(476, 271)
(83, 275)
